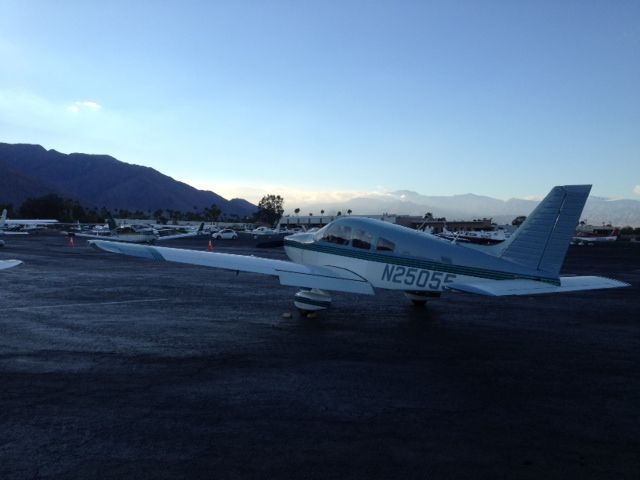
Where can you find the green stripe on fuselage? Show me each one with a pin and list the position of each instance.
(414, 262)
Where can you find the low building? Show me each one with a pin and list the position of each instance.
(289, 222)
(437, 225)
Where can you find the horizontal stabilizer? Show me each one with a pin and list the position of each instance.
(289, 273)
(499, 288)
(9, 263)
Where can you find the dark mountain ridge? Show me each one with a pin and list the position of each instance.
(101, 181)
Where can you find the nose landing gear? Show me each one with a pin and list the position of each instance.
(419, 299)
(313, 300)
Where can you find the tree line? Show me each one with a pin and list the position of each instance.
(70, 211)
(67, 210)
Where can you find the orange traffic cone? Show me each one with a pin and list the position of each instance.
(72, 243)
(210, 246)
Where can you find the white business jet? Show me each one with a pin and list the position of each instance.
(6, 224)
(358, 255)
(7, 227)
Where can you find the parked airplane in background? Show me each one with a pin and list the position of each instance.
(136, 233)
(263, 231)
(357, 255)
(590, 235)
(19, 226)
(487, 237)
(31, 222)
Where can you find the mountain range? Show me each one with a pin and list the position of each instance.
(597, 210)
(101, 181)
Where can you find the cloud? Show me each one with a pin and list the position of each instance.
(295, 197)
(637, 190)
(75, 107)
(90, 105)
(69, 126)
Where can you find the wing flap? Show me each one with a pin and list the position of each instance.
(499, 288)
(289, 273)
(325, 279)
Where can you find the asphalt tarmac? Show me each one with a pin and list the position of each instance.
(116, 367)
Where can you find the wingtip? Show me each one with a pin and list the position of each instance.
(97, 245)
(4, 264)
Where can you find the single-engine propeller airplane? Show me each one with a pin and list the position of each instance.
(358, 254)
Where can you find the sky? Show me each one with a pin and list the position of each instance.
(327, 99)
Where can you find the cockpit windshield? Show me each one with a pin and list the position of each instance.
(335, 233)
(354, 235)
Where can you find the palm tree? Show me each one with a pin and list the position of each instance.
(349, 212)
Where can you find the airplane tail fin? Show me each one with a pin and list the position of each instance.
(541, 242)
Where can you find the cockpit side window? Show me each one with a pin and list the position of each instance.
(336, 233)
(385, 245)
(361, 239)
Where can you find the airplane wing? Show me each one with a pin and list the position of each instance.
(89, 235)
(499, 288)
(9, 263)
(195, 233)
(289, 273)
(24, 221)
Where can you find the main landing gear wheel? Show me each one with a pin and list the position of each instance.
(419, 299)
(311, 301)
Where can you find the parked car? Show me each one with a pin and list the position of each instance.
(226, 234)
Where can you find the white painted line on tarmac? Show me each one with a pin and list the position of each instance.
(89, 304)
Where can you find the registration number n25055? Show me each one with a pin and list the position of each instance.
(416, 277)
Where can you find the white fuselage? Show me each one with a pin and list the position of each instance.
(397, 258)
(388, 275)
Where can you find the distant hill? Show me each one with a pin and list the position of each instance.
(597, 210)
(100, 181)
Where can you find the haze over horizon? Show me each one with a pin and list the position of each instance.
(334, 99)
